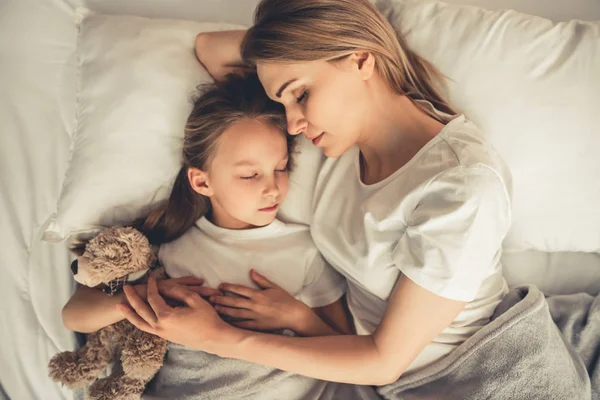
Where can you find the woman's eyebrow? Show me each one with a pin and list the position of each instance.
(282, 88)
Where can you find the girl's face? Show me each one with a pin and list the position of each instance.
(248, 176)
(325, 101)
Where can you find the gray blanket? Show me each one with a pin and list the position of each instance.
(534, 348)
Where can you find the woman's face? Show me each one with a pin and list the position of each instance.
(325, 101)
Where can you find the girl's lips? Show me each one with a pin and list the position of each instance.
(269, 209)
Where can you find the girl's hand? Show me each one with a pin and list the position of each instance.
(196, 324)
(265, 309)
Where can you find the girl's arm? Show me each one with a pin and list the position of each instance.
(413, 318)
(272, 308)
(90, 309)
(219, 52)
(335, 316)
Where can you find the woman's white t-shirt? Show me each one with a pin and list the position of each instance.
(440, 220)
(284, 253)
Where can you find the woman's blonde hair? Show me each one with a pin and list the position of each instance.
(220, 105)
(308, 30)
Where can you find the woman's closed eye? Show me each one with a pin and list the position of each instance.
(302, 98)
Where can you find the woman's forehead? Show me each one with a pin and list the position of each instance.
(274, 75)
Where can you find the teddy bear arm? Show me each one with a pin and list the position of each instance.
(79, 368)
(117, 386)
(143, 355)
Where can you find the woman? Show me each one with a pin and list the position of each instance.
(411, 207)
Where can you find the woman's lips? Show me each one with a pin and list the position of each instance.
(318, 139)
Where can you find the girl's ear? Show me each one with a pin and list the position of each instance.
(199, 181)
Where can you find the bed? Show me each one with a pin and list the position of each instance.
(37, 87)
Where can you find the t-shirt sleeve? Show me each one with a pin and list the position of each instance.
(323, 285)
(455, 233)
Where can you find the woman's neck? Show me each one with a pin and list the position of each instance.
(395, 131)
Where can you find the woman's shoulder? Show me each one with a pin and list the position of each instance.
(470, 146)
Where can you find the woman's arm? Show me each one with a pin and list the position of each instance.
(414, 317)
(219, 52)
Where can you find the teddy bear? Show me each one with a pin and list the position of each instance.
(115, 256)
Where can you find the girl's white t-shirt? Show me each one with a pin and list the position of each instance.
(284, 253)
(440, 220)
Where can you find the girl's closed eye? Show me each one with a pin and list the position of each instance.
(249, 177)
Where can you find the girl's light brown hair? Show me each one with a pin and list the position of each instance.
(287, 31)
(220, 105)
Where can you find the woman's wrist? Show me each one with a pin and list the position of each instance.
(228, 340)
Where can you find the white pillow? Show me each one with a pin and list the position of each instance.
(533, 87)
(136, 79)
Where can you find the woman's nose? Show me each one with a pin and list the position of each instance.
(296, 123)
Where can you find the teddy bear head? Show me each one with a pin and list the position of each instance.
(115, 256)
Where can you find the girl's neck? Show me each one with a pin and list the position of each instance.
(226, 221)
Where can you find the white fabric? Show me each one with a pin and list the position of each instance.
(439, 220)
(37, 39)
(553, 273)
(136, 78)
(284, 253)
(533, 87)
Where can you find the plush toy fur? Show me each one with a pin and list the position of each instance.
(113, 253)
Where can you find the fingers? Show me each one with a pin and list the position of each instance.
(237, 302)
(183, 294)
(157, 303)
(204, 291)
(261, 281)
(139, 306)
(238, 289)
(135, 319)
(235, 312)
(187, 280)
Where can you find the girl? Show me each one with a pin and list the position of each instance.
(411, 207)
(236, 157)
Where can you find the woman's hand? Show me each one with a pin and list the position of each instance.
(190, 282)
(219, 52)
(265, 309)
(196, 324)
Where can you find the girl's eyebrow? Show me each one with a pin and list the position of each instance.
(249, 163)
(244, 163)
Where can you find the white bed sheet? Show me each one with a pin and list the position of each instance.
(37, 98)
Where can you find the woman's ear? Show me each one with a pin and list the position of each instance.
(199, 181)
(365, 63)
